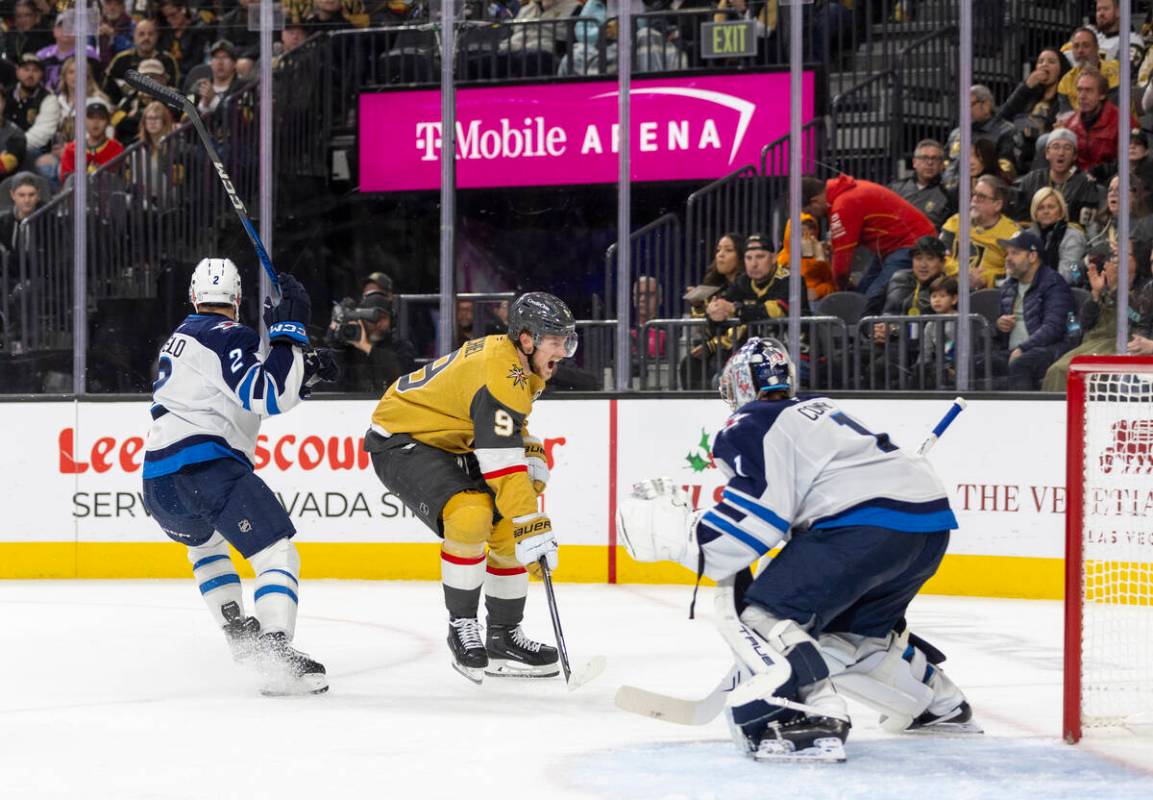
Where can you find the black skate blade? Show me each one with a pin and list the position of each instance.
(969, 728)
(305, 685)
(507, 668)
(474, 674)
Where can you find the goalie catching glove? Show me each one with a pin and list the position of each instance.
(537, 462)
(534, 539)
(657, 522)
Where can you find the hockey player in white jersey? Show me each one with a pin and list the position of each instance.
(212, 390)
(866, 524)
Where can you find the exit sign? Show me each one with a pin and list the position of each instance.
(733, 39)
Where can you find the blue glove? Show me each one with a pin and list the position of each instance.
(288, 320)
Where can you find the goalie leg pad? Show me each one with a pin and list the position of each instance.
(277, 569)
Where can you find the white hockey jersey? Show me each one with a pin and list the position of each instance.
(213, 389)
(799, 464)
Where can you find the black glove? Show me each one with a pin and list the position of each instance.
(320, 365)
(288, 320)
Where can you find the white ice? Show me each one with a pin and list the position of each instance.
(125, 690)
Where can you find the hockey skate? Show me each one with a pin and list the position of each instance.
(469, 656)
(511, 654)
(805, 739)
(286, 670)
(242, 633)
(957, 721)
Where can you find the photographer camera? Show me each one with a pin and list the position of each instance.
(371, 356)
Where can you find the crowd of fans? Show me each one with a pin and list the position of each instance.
(1044, 227)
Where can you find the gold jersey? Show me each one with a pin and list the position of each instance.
(986, 256)
(474, 400)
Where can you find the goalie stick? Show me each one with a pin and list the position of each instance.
(700, 712)
(595, 666)
(179, 102)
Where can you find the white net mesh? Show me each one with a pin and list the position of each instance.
(1117, 550)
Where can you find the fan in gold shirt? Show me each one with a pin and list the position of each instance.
(451, 441)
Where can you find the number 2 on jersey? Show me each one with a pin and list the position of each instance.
(883, 443)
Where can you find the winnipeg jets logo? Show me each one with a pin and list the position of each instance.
(734, 419)
(226, 325)
(518, 376)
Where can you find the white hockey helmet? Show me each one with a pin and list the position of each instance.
(215, 281)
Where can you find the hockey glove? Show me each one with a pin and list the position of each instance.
(288, 320)
(537, 463)
(534, 538)
(657, 523)
(320, 365)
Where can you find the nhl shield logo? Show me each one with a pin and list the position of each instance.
(245, 526)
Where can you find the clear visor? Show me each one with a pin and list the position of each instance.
(570, 345)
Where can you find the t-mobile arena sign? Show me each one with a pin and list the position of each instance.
(683, 128)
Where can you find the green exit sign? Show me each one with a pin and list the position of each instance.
(734, 39)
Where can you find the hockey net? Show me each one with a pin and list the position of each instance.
(1109, 546)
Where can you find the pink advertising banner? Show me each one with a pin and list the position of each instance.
(683, 128)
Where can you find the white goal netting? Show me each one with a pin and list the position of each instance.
(1117, 551)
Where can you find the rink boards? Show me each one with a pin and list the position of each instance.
(71, 475)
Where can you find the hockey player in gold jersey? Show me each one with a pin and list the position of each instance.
(451, 441)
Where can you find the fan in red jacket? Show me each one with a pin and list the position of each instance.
(864, 214)
(1095, 125)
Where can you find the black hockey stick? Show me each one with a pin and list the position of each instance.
(699, 712)
(178, 102)
(592, 668)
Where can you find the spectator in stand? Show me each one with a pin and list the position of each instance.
(1098, 315)
(465, 320)
(924, 188)
(989, 224)
(1140, 160)
(128, 114)
(115, 32)
(863, 214)
(295, 34)
(536, 45)
(25, 194)
(327, 15)
(32, 107)
(646, 306)
(49, 163)
(983, 161)
(54, 56)
(728, 262)
(232, 26)
(1063, 243)
(1086, 58)
(100, 148)
(986, 125)
(13, 145)
(157, 168)
(182, 37)
(145, 38)
(1081, 193)
(815, 268)
(224, 81)
(1095, 126)
(1108, 32)
(27, 33)
(1035, 306)
(1032, 108)
(943, 296)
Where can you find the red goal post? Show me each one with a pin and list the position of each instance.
(1109, 545)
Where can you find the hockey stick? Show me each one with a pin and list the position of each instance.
(179, 102)
(590, 670)
(699, 712)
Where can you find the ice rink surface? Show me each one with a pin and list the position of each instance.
(124, 690)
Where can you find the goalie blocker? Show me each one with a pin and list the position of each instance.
(866, 524)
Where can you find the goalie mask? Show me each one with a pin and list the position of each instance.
(215, 281)
(541, 314)
(761, 365)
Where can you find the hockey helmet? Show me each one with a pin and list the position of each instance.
(215, 281)
(542, 314)
(761, 365)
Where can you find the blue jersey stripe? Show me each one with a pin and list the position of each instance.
(283, 572)
(893, 519)
(218, 581)
(723, 525)
(204, 562)
(270, 396)
(275, 589)
(245, 390)
(757, 510)
(195, 454)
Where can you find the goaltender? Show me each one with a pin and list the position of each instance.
(450, 440)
